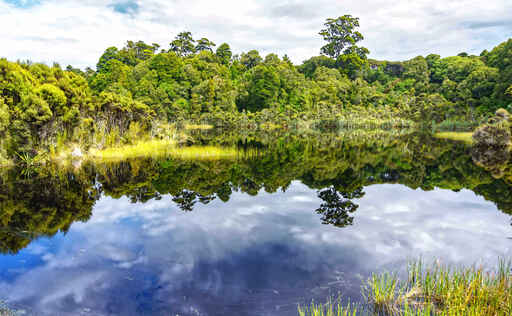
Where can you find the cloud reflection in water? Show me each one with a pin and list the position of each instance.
(255, 255)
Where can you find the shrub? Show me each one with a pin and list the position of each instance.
(496, 135)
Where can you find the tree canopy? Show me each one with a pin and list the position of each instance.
(197, 81)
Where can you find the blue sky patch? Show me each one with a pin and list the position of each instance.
(125, 7)
(22, 3)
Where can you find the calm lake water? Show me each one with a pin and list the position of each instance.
(286, 220)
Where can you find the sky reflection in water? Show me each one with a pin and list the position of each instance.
(254, 255)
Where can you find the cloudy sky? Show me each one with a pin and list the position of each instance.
(77, 31)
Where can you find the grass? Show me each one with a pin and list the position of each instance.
(161, 148)
(329, 309)
(4, 162)
(452, 291)
(198, 126)
(5, 311)
(454, 126)
(466, 137)
(368, 123)
(432, 290)
(204, 153)
(152, 148)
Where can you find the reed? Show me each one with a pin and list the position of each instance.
(6, 311)
(466, 137)
(161, 148)
(430, 291)
(329, 309)
(443, 290)
(198, 126)
(204, 153)
(454, 126)
(153, 148)
(4, 162)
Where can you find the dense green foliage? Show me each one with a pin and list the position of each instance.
(338, 167)
(144, 86)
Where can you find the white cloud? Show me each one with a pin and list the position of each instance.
(77, 32)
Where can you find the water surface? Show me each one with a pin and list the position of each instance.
(287, 221)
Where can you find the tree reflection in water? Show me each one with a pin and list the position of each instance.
(338, 168)
(338, 207)
(186, 200)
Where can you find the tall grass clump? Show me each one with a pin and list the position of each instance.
(454, 126)
(430, 290)
(152, 148)
(442, 290)
(466, 137)
(384, 293)
(6, 311)
(4, 161)
(190, 126)
(329, 309)
(162, 148)
(204, 153)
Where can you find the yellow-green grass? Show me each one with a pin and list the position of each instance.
(4, 162)
(152, 148)
(466, 137)
(198, 126)
(432, 290)
(440, 290)
(161, 148)
(329, 309)
(269, 126)
(204, 153)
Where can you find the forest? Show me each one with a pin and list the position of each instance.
(144, 89)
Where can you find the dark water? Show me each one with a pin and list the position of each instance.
(288, 220)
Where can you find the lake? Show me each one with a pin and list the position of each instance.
(283, 220)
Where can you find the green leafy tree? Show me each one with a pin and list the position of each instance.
(309, 66)
(204, 44)
(109, 54)
(501, 58)
(508, 92)
(340, 33)
(342, 36)
(262, 89)
(251, 59)
(224, 53)
(352, 60)
(54, 96)
(183, 44)
(417, 70)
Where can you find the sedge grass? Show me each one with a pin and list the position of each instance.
(433, 290)
(161, 148)
(198, 126)
(440, 290)
(152, 148)
(466, 137)
(6, 311)
(204, 153)
(329, 309)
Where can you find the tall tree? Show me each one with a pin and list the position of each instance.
(251, 59)
(224, 53)
(109, 54)
(342, 36)
(183, 44)
(205, 44)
